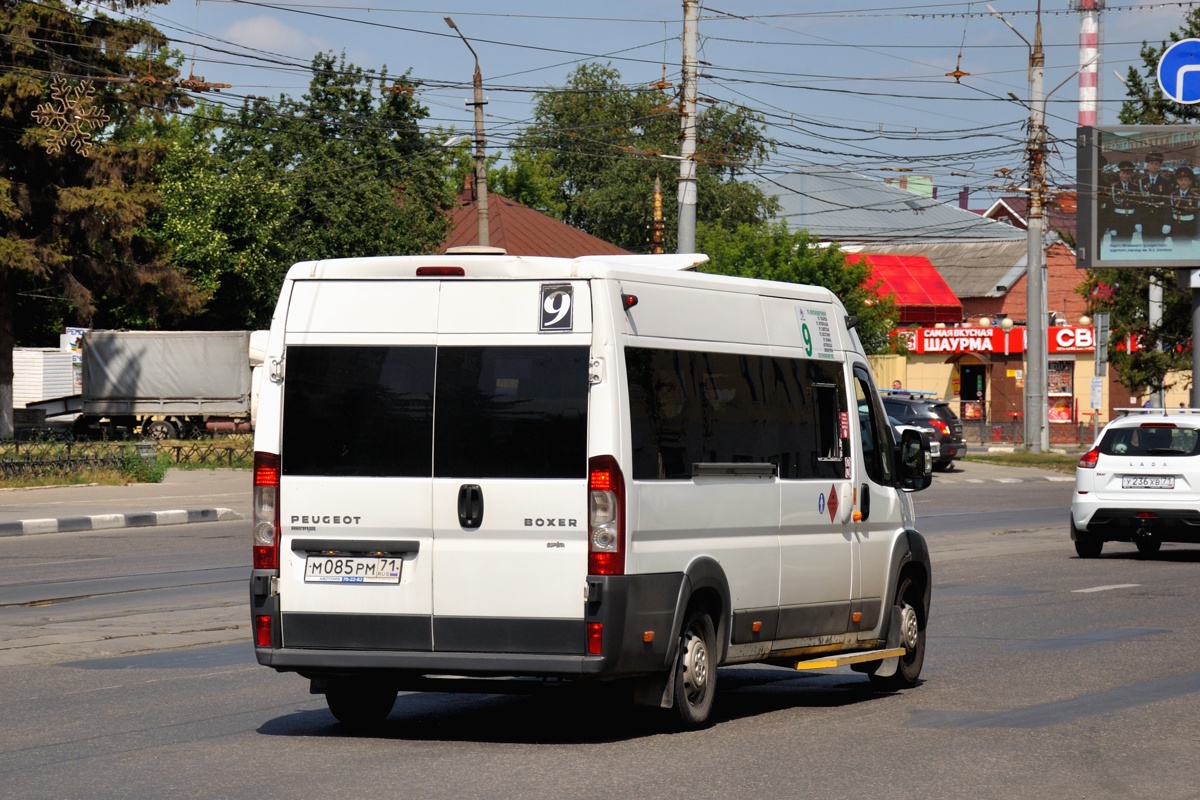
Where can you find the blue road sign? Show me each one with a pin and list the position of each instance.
(1179, 72)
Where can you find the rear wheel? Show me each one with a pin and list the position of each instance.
(910, 601)
(696, 675)
(159, 429)
(1085, 547)
(1147, 546)
(360, 704)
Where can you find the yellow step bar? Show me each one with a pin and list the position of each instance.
(829, 662)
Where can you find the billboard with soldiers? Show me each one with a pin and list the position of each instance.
(1139, 198)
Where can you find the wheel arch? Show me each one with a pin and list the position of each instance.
(909, 558)
(705, 585)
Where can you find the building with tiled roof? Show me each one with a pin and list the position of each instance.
(520, 230)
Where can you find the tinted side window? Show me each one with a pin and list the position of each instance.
(358, 411)
(689, 407)
(511, 412)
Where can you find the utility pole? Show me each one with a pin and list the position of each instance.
(1035, 300)
(1037, 434)
(687, 166)
(481, 193)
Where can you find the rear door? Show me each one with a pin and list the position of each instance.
(356, 465)
(509, 492)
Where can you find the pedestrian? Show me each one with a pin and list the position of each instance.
(1153, 217)
(897, 385)
(1123, 201)
(1184, 202)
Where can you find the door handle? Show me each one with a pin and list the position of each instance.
(470, 505)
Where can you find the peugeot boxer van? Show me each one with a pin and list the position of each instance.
(603, 469)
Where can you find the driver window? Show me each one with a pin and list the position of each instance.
(874, 429)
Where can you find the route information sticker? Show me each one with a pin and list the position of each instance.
(816, 332)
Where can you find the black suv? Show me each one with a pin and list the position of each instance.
(936, 416)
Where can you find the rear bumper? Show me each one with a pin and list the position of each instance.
(952, 450)
(1123, 525)
(626, 607)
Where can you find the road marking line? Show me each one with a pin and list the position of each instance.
(1009, 480)
(972, 480)
(1106, 588)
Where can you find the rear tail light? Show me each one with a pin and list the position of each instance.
(1088, 460)
(606, 517)
(941, 426)
(262, 631)
(595, 638)
(266, 511)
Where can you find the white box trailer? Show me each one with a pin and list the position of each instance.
(41, 373)
(603, 469)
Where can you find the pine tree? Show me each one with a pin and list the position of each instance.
(76, 175)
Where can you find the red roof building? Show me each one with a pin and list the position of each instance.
(520, 230)
(921, 294)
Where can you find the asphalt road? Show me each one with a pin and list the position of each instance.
(1046, 676)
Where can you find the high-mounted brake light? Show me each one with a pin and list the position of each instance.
(606, 517)
(1088, 460)
(442, 272)
(1170, 425)
(266, 511)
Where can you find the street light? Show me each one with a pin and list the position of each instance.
(481, 194)
(1037, 434)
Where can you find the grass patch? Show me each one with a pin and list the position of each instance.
(103, 477)
(1058, 462)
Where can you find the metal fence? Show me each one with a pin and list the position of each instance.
(52, 457)
(1012, 432)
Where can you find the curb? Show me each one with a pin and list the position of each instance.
(107, 521)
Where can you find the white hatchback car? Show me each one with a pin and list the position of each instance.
(1140, 483)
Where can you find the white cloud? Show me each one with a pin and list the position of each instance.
(266, 33)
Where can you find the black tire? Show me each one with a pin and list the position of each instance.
(1085, 547)
(360, 704)
(696, 674)
(941, 466)
(1147, 546)
(159, 429)
(910, 600)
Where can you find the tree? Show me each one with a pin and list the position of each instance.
(343, 171)
(1147, 105)
(596, 145)
(225, 224)
(75, 176)
(768, 251)
(1125, 293)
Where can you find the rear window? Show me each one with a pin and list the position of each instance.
(490, 412)
(944, 411)
(1150, 441)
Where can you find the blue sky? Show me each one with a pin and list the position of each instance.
(859, 84)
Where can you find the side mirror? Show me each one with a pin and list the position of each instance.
(914, 464)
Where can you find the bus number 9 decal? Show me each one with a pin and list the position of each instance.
(557, 308)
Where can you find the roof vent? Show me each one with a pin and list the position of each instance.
(475, 250)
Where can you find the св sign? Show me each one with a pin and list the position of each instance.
(1065, 339)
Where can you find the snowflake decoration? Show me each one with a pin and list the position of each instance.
(71, 116)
